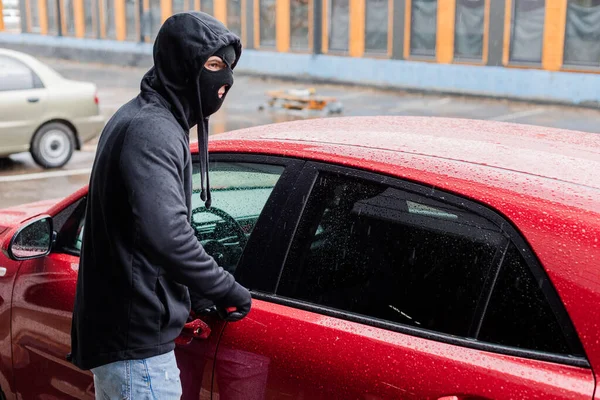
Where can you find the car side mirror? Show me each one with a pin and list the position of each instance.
(33, 240)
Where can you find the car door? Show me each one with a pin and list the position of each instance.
(247, 196)
(43, 297)
(245, 189)
(22, 102)
(376, 288)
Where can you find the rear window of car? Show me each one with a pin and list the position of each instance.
(378, 251)
(519, 314)
(14, 75)
(393, 255)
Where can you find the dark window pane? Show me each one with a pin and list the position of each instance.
(468, 34)
(207, 6)
(378, 251)
(35, 16)
(152, 19)
(299, 24)
(131, 13)
(89, 12)
(376, 25)
(423, 27)
(109, 19)
(69, 17)
(52, 17)
(518, 313)
(582, 33)
(527, 30)
(339, 25)
(179, 6)
(234, 16)
(14, 75)
(267, 23)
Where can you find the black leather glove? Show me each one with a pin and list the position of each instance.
(236, 304)
(200, 304)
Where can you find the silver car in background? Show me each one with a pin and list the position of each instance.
(42, 112)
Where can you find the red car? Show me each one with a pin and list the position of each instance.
(411, 258)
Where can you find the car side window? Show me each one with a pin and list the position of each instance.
(69, 227)
(14, 75)
(240, 191)
(378, 251)
(390, 254)
(519, 315)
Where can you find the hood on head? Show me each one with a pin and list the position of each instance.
(183, 45)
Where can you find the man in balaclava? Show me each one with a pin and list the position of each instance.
(140, 254)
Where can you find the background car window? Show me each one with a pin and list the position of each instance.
(239, 193)
(15, 75)
(378, 251)
(519, 315)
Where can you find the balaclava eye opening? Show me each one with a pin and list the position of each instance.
(209, 83)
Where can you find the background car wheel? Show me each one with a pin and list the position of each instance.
(53, 145)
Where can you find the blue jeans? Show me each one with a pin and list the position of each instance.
(149, 379)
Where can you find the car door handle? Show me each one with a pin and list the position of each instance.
(196, 329)
(462, 397)
(33, 99)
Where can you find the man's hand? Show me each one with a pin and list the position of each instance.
(236, 304)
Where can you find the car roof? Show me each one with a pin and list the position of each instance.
(17, 54)
(46, 74)
(468, 157)
(557, 154)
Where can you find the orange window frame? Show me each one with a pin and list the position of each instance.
(390, 33)
(553, 45)
(444, 44)
(1, 19)
(282, 25)
(357, 28)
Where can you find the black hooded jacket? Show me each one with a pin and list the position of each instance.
(139, 252)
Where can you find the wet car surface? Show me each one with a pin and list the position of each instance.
(388, 258)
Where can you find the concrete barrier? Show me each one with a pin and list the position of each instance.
(572, 88)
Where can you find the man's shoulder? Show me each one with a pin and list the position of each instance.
(154, 119)
(155, 125)
(151, 134)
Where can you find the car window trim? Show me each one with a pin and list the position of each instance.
(65, 238)
(304, 186)
(488, 289)
(263, 235)
(573, 361)
(549, 291)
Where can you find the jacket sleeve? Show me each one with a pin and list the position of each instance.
(152, 167)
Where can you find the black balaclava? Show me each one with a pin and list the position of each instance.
(209, 84)
(183, 45)
(212, 81)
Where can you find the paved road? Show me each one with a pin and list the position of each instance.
(22, 181)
